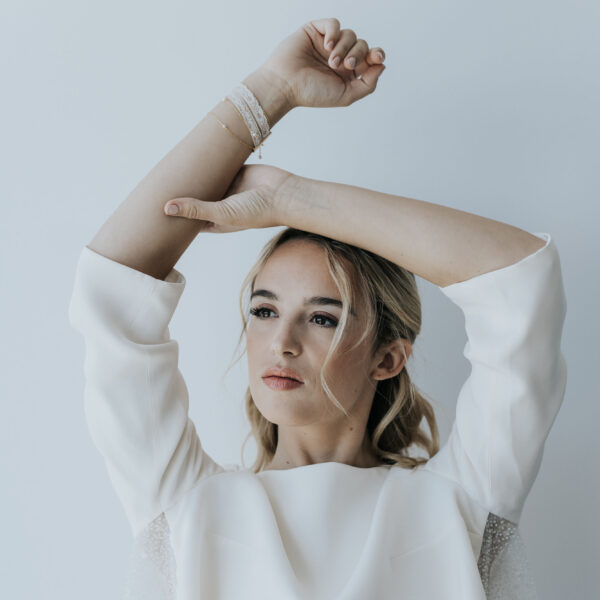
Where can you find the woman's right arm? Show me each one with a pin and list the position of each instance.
(205, 162)
(126, 289)
(202, 165)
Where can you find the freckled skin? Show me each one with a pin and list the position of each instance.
(311, 428)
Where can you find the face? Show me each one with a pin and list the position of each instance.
(289, 333)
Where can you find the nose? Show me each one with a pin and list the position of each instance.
(285, 339)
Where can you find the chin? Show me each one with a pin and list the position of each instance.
(280, 411)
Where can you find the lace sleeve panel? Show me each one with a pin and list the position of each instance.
(152, 570)
(503, 564)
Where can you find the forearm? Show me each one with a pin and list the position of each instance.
(438, 243)
(202, 165)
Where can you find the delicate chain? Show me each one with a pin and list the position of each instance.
(231, 132)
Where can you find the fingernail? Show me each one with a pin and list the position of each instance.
(330, 44)
(351, 62)
(336, 61)
(172, 209)
(379, 55)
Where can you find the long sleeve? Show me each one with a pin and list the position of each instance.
(135, 398)
(505, 409)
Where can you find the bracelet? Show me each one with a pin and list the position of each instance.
(247, 115)
(252, 148)
(231, 132)
(255, 107)
(246, 104)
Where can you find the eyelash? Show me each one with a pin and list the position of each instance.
(256, 312)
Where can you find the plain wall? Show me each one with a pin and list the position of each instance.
(487, 107)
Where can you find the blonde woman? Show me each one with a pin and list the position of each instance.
(337, 504)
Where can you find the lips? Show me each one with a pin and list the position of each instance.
(286, 373)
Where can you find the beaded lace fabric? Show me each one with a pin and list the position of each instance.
(255, 107)
(238, 101)
(503, 565)
(152, 564)
(152, 571)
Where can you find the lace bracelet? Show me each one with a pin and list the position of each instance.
(252, 113)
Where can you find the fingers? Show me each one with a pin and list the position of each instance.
(190, 208)
(245, 210)
(346, 40)
(199, 210)
(344, 46)
(352, 53)
(360, 57)
(365, 84)
(375, 56)
(356, 54)
(330, 28)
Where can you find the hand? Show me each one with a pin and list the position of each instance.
(249, 202)
(303, 62)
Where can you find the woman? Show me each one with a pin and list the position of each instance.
(336, 505)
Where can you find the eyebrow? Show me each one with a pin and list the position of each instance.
(318, 300)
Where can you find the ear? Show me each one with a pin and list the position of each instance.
(389, 360)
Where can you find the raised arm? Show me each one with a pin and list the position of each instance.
(300, 72)
(203, 163)
(441, 244)
(508, 283)
(126, 289)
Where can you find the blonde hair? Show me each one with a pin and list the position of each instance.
(390, 295)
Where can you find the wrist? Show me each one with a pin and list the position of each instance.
(272, 93)
(290, 199)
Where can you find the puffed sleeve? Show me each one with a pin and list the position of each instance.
(135, 398)
(514, 319)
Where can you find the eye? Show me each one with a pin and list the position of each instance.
(320, 316)
(257, 312)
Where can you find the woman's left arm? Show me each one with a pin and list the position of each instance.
(438, 243)
(514, 306)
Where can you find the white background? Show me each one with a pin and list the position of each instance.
(488, 107)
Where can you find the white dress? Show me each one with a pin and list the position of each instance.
(446, 530)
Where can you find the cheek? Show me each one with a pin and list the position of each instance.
(254, 336)
(351, 368)
(252, 348)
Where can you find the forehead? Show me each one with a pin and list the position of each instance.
(299, 270)
(297, 261)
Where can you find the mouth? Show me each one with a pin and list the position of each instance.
(281, 383)
(284, 373)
